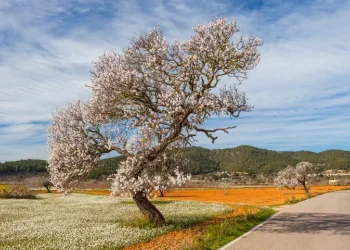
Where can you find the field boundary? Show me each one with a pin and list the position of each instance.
(249, 232)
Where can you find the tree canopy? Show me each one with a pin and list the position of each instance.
(148, 101)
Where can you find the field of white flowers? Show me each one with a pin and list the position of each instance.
(89, 222)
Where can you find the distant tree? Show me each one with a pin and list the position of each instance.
(303, 170)
(290, 177)
(286, 178)
(147, 101)
(47, 184)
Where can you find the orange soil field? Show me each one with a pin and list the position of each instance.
(250, 196)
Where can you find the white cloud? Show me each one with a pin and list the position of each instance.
(300, 90)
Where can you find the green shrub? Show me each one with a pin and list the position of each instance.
(17, 192)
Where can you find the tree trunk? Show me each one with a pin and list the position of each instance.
(48, 189)
(151, 212)
(306, 190)
(303, 183)
(161, 193)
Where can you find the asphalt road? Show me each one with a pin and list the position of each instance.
(320, 223)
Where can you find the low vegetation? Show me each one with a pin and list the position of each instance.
(16, 192)
(294, 200)
(90, 222)
(221, 233)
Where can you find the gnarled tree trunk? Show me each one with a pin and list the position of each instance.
(306, 190)
(148, 209)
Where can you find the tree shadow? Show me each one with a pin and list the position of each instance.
(312, 223)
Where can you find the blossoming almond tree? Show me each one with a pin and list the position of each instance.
(286, 178)
(290, 177)
(151, 99)
(303, 170)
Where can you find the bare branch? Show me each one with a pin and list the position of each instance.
(208, 132)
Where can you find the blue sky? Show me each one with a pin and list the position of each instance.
(300, 90)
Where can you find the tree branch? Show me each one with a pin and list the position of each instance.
(208, 132)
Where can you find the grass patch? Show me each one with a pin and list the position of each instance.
(140, 222)
(217, 235)
(175, 222)
(294, 200)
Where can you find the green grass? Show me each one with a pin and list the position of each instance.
(217, 235)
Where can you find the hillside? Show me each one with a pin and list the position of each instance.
(255, 160)
(243, 158)
(23, 166)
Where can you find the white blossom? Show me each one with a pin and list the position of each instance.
(303, 169)
(286, 178)
(88, 221)
(150, 100)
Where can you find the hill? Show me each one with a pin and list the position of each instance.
(23, 166)
(255, 160)
(243, 158)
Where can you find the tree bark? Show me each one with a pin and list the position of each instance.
(148, 209)
(161, 193)
(306, 190)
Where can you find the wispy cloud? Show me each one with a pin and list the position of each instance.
(300, 90)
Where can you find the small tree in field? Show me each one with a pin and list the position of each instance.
(291, 177)
(147, 101)
(303, 170)
(47, 184)
(164, 181)
(286, 178)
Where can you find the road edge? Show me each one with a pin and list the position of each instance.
(249, 232)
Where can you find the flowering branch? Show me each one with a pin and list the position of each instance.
(149, 100)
